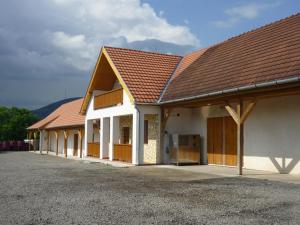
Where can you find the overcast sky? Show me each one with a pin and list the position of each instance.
(48, 48)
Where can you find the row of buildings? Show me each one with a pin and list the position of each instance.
(235, 103)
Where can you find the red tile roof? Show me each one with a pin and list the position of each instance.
(144, 73)
(67, 115)
(265, 54)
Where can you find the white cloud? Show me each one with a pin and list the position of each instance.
(54, 42)
(226, 23)
(62, 40)
(110, 22)
(127, 18)
(248, 11)
(77, 51)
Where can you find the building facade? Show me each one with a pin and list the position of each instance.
(236, 103)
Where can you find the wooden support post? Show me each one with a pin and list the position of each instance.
(56, 137)
(66, 143)
(247, 111)
(240, 116)
(240, 139)
(80, 134)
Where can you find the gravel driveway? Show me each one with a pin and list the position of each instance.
(37, 189)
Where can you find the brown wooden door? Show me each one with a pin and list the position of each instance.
(75, 148)
(221, 141)
(230, 149)
(215, 140)
(210, 140)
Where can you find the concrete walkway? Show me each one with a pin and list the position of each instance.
(209, 170)
(88, 159)
(225, 171)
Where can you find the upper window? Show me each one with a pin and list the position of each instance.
(146, 132)
(125, 135)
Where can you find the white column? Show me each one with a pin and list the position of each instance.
(114, 135)
(88, 135)
(41, 141)
(137, 137)
(100, 131)
(104, 138)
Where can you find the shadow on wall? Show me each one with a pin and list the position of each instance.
(271, 138)
(272, 132)
(286, 165)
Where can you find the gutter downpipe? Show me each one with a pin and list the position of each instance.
(232, 90)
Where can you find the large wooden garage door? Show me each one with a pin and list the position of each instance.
(221, 141)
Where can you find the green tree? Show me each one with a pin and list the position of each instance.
(13, 123)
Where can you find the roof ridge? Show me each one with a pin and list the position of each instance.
(198, 50)
(254, 29)
(143, 51)
(169, 81)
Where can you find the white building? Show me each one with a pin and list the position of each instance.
(61, 132)
(235, 103)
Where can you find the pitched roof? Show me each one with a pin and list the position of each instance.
(266, 54)
(144, 73)
(67, 115)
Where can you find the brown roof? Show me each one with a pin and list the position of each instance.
(266, 54)
(67, 115)
(144, 73)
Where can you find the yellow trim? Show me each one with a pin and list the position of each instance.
(88, 94)
(124, 86)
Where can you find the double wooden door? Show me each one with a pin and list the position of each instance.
(222, 141)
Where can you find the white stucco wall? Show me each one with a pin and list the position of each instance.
(60, 142)
(185, 121)
(126, 108)
(272, 136)
(272, 132)
(52, 142)
(70, 143)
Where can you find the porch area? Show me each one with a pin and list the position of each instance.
(110, 138)
(238, 135)
(130, 138)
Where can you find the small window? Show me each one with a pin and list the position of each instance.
(146, 132)
(125, 135)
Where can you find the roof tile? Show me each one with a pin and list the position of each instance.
(67, 115)
(265, 54)
(144, 73)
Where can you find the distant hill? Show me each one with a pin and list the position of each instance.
(46, 110)
(160, 46)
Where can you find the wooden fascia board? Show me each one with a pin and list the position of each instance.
(118, 75)
(71, 127)
(88, 94)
